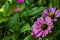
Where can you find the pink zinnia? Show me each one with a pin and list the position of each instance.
(51, 12)
(16, 9)
(42, 27)
(20, 1)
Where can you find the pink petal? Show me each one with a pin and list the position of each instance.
(40, 20)
(43, 35)
(55, 19)
(16, 9)
(45, 13)
(20, 1)
(38, 35)
(36, 31)
(57, 13)
(49, 28)
(50, 31)
(46, 31)
(50, 25)
(35, 26)
(37, 23)
(52, 9)
(48, 20)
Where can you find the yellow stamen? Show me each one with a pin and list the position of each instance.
(51, 14)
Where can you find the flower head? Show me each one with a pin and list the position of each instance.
(42, 27)
(20, 1)
(16, 9)
(51, 12)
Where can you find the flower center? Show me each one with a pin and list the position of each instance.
(51, 14)
(44, 26)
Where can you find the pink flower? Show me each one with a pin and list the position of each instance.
(42, 27)
(16, 9)
(20, 1)
(51, 12)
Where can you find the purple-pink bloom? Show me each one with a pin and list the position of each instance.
(16, 9)
(51, 12)
(20, 1)
(42, 27)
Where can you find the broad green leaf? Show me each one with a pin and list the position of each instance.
(25, 27)
(14, 36)
(14, 22)
(22, 7)
(11, 37)
(36, 11)
(2, 19)
(29, 37)
(10, 9)
(7, 38)
(24, 13)
(10, 1)
(33, 11)
(14, 19)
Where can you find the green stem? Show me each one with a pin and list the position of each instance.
(56, 3)
(26, 7)
(50, 3)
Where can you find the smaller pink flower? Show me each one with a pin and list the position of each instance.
(16, 9)
(42, 27)
(20, 1)
(51, 12)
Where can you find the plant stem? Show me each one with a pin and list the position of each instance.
(50, 3)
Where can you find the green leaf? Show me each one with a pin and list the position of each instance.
(36, 11)
(10, 37)
(56, 3)
(14, 23)
(7, 38)
(29, 37)
(24, 13)
(22, 6)
(10, 1)
(33, 11)
(10, 9)
(25, 27)
(14, 36)
(53, 35)
(2, 19)
(14, 18)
